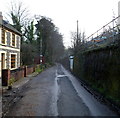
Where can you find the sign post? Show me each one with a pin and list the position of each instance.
(71, 62)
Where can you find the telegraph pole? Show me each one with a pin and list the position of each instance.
(77, 30)
(77, 41)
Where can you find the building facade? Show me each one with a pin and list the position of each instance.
(10, 40)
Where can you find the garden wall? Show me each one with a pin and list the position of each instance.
(17, 73)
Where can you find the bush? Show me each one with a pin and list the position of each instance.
(11, 81)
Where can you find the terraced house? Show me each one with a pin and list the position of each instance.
(10, 40)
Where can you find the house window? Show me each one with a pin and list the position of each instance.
(13, 60)
(13, 39)
(8, 38)
(3, 36)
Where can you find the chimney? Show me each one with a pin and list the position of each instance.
(1, 18)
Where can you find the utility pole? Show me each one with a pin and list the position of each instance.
(77, 33)
(77, 30)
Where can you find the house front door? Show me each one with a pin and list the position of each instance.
(2, 61)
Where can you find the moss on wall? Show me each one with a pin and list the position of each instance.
(101, 69)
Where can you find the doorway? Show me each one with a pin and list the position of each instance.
(2, 61)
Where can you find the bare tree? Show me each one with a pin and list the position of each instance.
(18, 14)
(78, 40)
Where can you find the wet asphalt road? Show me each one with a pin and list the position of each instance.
(55, 92)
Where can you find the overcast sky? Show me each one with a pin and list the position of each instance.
(91, 14)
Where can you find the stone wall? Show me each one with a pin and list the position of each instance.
(100, 68)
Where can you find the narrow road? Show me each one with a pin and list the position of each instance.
(55, 92)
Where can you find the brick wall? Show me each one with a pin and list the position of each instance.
(30, 69)
(17, 73)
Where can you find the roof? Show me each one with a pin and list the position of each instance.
(10, 27)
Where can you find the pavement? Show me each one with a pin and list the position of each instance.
(20, 82)
(8, 97)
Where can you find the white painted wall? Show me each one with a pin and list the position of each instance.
(3, 47)
(1, 51)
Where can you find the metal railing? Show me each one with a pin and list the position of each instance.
(110, 30)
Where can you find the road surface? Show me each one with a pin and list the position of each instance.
(55, 92)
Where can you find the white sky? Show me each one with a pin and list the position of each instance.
(91, 14)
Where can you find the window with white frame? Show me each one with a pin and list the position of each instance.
(3, 36)
(8, 37)
(13, 61)
(13, 39)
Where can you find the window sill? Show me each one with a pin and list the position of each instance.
(3, 44)
(13, 68)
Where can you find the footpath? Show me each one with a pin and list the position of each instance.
(10, 97)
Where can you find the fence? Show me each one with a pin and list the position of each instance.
(108, 31)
